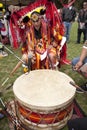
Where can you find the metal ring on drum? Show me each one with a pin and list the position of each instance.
(44, 99)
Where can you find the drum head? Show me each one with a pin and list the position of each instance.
(44, 89)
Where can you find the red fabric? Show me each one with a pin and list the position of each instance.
(15, 17)
(3, 29)
(53, 17)
(13, 33)
(5, 40)
(51, 14)
(63, 56)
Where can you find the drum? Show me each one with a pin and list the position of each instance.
(44, 99)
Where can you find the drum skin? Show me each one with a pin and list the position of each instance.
(44, 99)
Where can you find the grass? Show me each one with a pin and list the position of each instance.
(9, 62)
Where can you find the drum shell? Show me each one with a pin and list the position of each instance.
(59, 117)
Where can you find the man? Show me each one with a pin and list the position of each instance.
(82, 23)
(80, 63)
(68, 16)
(48, 39)
(40, 48)
(41, 41)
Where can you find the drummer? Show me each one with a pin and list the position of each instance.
(39, 41)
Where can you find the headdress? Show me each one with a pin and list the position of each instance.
(34, 16)
(26, 19)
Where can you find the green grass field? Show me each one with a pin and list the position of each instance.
(9, 62)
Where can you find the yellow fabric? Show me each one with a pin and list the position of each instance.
(53, 50)
(60, 37)
(38, 9)
(25, 70)
(37, 61)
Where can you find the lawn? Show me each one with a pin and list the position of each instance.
(9, 62)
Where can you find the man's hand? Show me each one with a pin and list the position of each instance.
(32, 56)
(78, 65)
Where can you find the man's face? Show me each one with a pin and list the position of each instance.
(85, 5)
(37, 24)
(36, 21)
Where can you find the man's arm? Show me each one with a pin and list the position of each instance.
(83, 54)
(82, 57)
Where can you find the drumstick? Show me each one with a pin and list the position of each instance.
(76, 86)
(4, 90)
(14, 69)
(2, 103)
(14, 54)
(5, 81)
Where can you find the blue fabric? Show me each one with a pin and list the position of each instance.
(75, 60)
(67, 29)
(1, 24)
(77, 124)
(1, 115)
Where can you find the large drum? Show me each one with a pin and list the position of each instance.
(44, 99)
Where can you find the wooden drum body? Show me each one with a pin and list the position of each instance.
(44, 99)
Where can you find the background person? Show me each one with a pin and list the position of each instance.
(82, 23)
(68, 16)
(80, 64)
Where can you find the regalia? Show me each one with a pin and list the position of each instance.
(53, 20)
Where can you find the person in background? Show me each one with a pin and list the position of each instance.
(3, 26)
(79, 64)
(1, 16)
(68, 16)
(4, 32)
(77, 124)
(82, 23)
